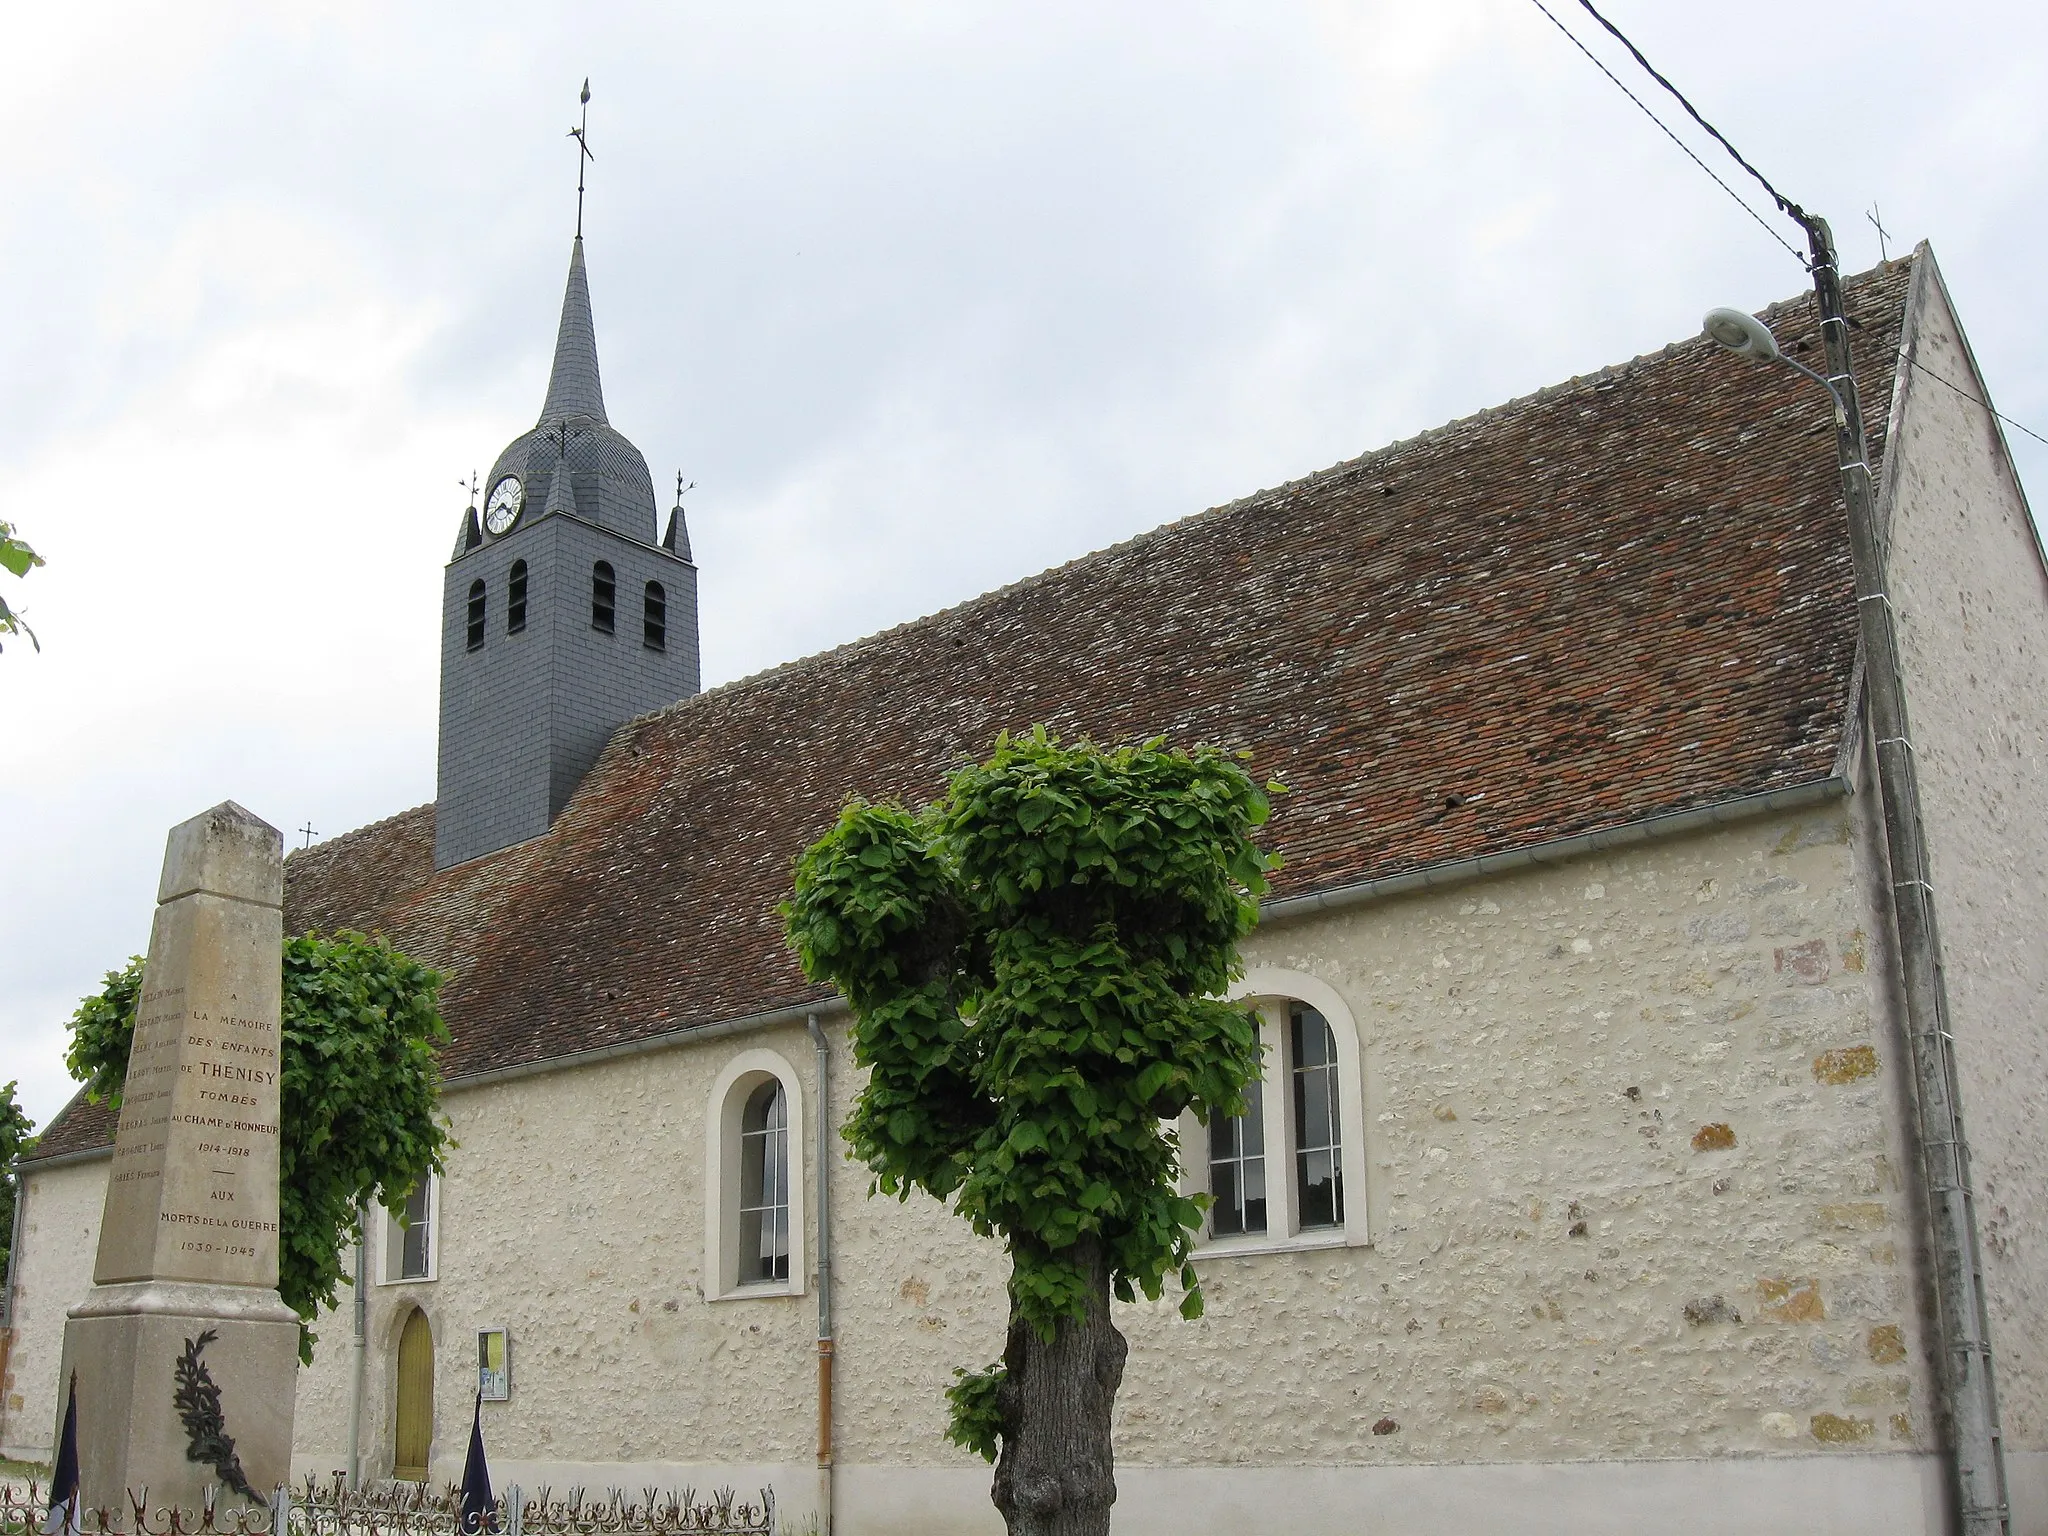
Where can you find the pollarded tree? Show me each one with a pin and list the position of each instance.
(1035, 966)
(359, 1103)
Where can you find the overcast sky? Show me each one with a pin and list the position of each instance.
(924, 296)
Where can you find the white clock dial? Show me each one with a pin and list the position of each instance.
(502, 510)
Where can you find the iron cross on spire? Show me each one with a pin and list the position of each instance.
(581, 134)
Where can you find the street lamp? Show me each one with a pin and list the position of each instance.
(1746, 336)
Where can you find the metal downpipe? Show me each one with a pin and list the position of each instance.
(359, 1351)
(824, 1160)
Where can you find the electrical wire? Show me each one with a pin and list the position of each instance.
(1986, 404)
(1674, 138)
(1784, 202)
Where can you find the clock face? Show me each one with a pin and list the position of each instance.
(502, 510)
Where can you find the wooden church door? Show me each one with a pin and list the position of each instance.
(415, 1436)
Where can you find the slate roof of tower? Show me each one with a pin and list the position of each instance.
(608, 482)
(1626, 595)
(574, 388)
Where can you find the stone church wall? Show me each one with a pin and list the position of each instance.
(59, 1239)
(1972, 597)
(1636, 1192)
(1641, 1242)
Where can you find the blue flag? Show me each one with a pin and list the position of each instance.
(479, 1508)
(64, 1514)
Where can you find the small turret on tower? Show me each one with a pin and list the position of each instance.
(677, 540)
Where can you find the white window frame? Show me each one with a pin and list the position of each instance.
(391, 1252)
(1271, 989)
(746, 1072)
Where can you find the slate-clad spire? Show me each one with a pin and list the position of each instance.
(573, 387)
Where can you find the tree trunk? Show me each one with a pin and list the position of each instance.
(1057, 1474)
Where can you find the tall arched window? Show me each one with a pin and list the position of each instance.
(764, 1186)
(654, 620)
(515, 599)
(476, 615)
(1289, 1170)
(604, 592)
(754, 1180)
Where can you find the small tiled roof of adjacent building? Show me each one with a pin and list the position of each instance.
(1624, 596)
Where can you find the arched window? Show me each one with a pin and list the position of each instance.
(1290, 1170)
(654, 623)
(764, 1186)
(515, 599)
(413, 1441)
(476, 615)
(754, 1180)
(604, 591)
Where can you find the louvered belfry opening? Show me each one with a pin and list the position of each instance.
(654, 619)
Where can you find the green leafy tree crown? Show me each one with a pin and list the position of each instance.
(1035, 966)
(15, 1141)
(17, 559)
(360, 1100)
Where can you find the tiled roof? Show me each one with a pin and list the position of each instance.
(78, 1127)
(1626, 595)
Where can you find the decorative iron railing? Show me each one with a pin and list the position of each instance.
(313, 1508)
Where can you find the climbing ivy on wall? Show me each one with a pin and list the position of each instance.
(1035, 965)
(360, 1094)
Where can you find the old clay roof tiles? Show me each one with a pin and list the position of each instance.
(1625, 595)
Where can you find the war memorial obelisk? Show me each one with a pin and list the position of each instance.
(185, 1358)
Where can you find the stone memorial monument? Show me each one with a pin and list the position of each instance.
(183, 1355)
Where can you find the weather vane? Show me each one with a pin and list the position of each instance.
(681, 489)
(581, 134)
(470, 485)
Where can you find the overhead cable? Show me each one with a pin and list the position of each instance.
(1674, 138)
(1778, 197)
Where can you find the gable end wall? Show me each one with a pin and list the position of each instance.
(1971, 592)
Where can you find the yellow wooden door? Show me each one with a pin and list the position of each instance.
(415, 1436)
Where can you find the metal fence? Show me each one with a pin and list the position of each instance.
(313, 1508)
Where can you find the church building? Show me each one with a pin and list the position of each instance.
(1588, 1187)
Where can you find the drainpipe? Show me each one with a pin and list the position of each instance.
(359, 1352)
(824, 1273)
(1965, 1337)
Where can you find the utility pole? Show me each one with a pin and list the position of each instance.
(1972, 1396)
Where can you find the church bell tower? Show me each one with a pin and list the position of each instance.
(565, 611)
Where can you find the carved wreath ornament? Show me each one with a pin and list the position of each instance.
(198, 1403)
